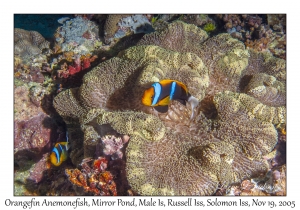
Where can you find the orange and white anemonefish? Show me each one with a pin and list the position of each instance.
(60, 152)
(161, 93)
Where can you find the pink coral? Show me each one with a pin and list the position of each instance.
(76, 66)
(79, 64)
(113, 145)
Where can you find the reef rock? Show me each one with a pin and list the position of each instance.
(34, 130)
(169, 153)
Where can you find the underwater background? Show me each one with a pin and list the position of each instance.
(79, 80)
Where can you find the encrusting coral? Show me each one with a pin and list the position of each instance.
(29, 43)
(169, 153)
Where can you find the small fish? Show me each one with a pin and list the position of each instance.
(161, 93)
(60, 152)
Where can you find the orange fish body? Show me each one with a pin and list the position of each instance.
(161, 93)
(59, 153)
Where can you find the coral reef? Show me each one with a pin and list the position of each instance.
(198, 20)
(269, 40)
(277, 21)
(113, 145)
(169, 154)
(267, 89)
(76, 46)
(111, 27)
(31, 139)
(35, 131)
(209, 27)
(93, 178)
(30, 54)
(28, 73)
(79, 63)
(29, 43)
(257, 31)
(191, 37)
(78, 35)
(118, 26)
(273, 184)
(136, 24)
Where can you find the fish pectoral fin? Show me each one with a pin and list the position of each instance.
(164, 102)
(182, 101)
(162, 109)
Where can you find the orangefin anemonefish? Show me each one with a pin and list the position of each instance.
(60, 152)
(161, 93)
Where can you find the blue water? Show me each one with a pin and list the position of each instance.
(45, 24)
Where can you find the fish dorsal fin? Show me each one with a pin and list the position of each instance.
(182, 85)
(161, 109)
(166, 81)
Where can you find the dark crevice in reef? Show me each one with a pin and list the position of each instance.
(244, 82)
(208, 108)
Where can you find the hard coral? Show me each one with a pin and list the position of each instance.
(169, 153)
(113, 145)
(136, 24)
(80, 63)
(273, 184)
(198, 20)
(111, 26)
(277, 21)
(93, 179)
(28, 43)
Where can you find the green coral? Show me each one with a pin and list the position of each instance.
(154, 19)
(209, 27)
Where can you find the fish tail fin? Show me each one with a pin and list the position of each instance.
(194, 103)
(68, 145)
(67, 136)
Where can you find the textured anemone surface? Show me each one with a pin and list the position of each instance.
(169, 153)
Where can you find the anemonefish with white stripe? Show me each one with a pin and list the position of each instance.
(161, 93)
(60, 152)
